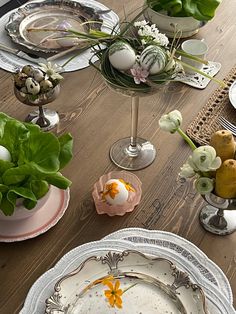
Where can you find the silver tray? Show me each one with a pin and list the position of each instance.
(50, 14)
(153, 285)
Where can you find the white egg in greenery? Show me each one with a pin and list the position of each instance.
(122, 56)
(115, 192)
(154, 59)
(4, 154)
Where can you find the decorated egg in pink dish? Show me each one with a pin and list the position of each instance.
(117, 193)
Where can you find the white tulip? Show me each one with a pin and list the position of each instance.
(204, 185)
(204, 159)
(187, 171)
(171, 122)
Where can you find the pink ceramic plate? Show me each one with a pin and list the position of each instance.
(44, 219)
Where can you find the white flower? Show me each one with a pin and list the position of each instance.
(161, 39)
(140, 23)
(51, 71)
(171, 122)
(204, 185)
(204, 159)
(187, 171)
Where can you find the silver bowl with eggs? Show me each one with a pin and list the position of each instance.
(33, 87)
(42, 99)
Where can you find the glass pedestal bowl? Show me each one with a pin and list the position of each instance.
(45, 118)
(133, 153)
(219, 215)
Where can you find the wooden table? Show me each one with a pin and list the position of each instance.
(97, 117)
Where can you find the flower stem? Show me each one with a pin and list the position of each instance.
(187, 139)
(126, 289)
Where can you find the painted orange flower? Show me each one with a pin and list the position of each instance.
(114, 293)
(111, 190)
(128, 186)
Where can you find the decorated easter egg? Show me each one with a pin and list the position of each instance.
(153, 58)
(115, 192)
(4, 153)
(122, 56)
(32, 86)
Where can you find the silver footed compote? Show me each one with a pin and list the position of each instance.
(45, 118)
(133, 153)
(219, 215)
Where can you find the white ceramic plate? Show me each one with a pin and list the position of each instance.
(43, 288)
(183, 252)
(154, 285)
(232, 94)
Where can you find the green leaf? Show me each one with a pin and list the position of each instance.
(59, 181)
(66, 143)
(3, 188)
(5, 165)
(21, 192)
(13, 133)
(39, 188)
(8, 204)
(202, 10)
(43, 150)
(29, 204)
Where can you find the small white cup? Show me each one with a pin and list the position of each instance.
(194, 47)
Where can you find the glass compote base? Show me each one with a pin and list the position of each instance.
(47, 119)
(133, 153)
(219, 215)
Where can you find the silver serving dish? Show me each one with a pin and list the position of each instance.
(50, 14)
(150, 285)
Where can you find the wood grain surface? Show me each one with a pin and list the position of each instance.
(97, 117)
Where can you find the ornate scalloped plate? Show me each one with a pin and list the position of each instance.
(50, 14)
(150, 285)
(218, 297)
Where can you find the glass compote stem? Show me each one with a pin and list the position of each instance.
(219, 215)
(133, 153)
(45, 118)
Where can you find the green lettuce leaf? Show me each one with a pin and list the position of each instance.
(39, 188)
(202, 10)
(58, 180)
(36, 159)
(66, 143)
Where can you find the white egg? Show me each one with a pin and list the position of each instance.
(32, 86)
(4, 154)
(38, 75)
(115, 192)
(122, 56)
(153, 58)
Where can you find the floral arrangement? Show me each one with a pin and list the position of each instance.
(30, 161)
(203, 162)
(138, 58)
(33, 82)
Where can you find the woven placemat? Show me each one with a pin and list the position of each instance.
(206, 122)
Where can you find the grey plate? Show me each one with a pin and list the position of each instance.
(49, 14)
